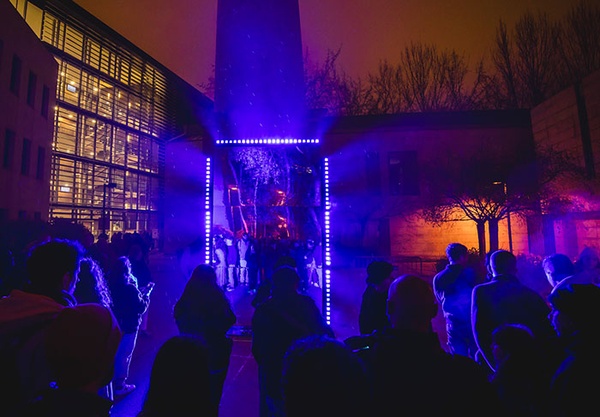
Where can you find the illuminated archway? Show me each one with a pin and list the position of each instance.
(299, 209)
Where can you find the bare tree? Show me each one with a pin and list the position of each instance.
(540, 57)
(327, 86)
(486, 188)
(580, 41)
(425, 79)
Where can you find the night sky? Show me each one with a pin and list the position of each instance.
(181, 33)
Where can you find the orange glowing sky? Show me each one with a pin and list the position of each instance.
(181, 33)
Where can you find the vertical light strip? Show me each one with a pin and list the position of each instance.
(327, 266)
(207, 216)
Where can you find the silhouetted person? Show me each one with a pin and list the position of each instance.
(129, 304)
(103, 252)
(243, 248)
(180, 380)
(522, 377)
(372, 315)
(284, 318)
(140, 269)
(204, 311)
(576, 319)
(557, 267)
(92, 288)
(587, 268)
(452, 287)
(80, 347)
(52, 269)
(322, 377)
(505, 300)
(263, 291)
(411, 374)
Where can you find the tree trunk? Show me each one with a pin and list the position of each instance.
(493, 226)
(481, 237)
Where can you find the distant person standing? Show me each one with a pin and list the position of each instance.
(452, 287)
(505, 300)
(129, 304)
(243, 247)
(372, 315)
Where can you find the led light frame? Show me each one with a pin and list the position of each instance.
(326, 240)
(208, 214)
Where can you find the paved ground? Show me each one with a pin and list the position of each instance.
(240, 395)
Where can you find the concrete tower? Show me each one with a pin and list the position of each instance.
(259, 76)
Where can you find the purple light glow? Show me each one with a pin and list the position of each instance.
(207, 215)
(327, 266)
(266, 141)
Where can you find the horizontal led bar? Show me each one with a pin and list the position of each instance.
(265, 141)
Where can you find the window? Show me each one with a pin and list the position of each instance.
(404, 174)
(373, 174)
(45, 101)
(9, 149)
(26, 157)
(15, 75)
(31, 87)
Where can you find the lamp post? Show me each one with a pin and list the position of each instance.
(508, 223)
(106, 185)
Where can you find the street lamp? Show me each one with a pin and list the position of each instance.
(508, 223)
(105, 186)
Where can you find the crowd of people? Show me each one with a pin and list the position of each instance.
(248, 261)
(67, 335)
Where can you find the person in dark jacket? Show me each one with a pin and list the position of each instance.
(180, 380)
(52, 274)
(80, 347)
(372, 315)
(452, 288)
(410, 372)
(204, 311)
(575, 317)
(129, 304)
(285, 317)
(505, 300)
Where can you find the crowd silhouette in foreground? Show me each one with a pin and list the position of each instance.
(68, 331)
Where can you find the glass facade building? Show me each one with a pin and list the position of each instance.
(115, 110)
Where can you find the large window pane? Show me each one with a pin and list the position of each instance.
(103, 141)
(65, 131)
(119, 146)
(90, 86)
(87, 142)
(63, 188)
(131, 190)
(74, 43)
(106, 98)
(133, 148)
